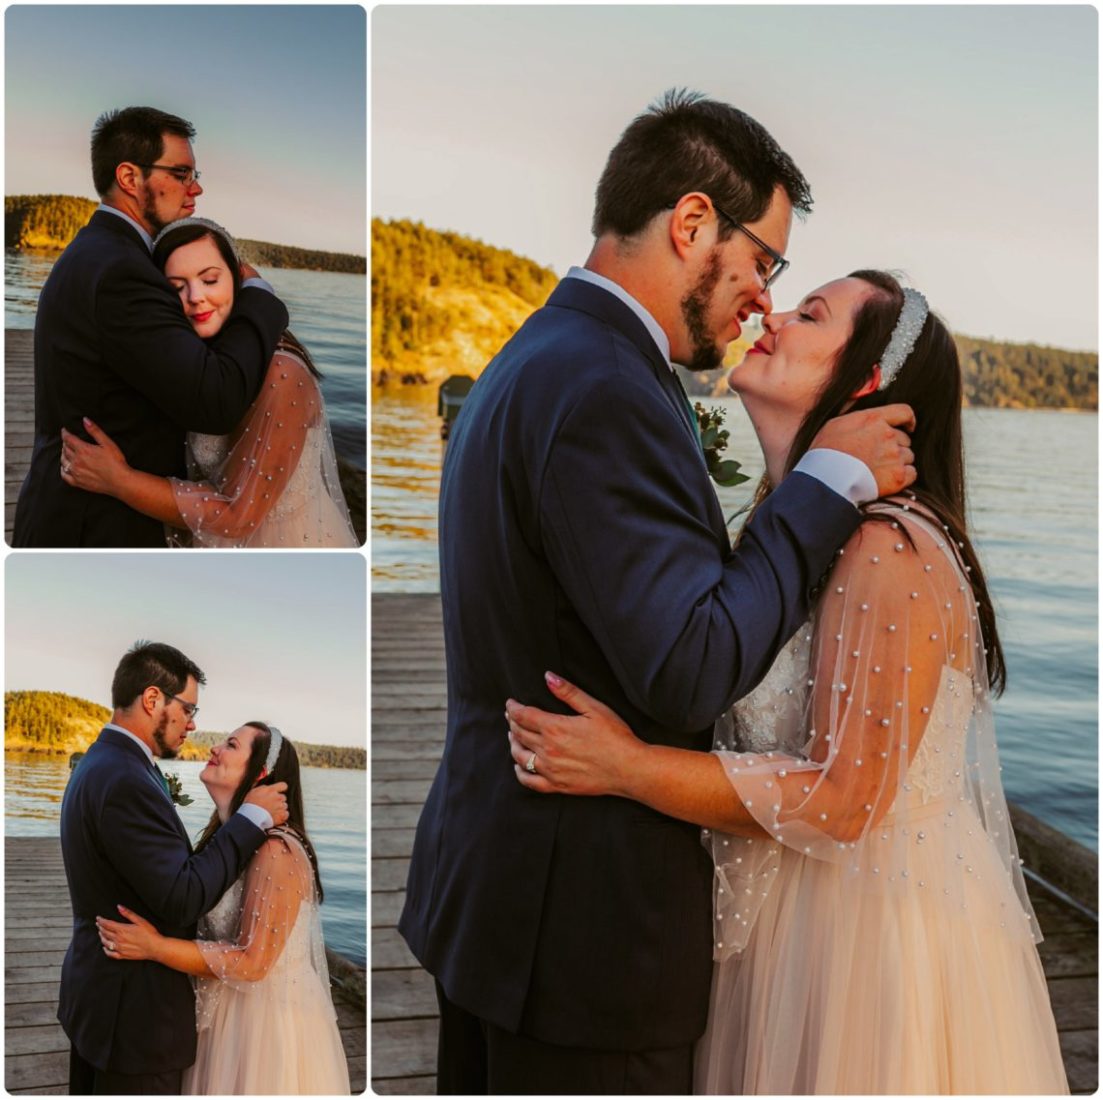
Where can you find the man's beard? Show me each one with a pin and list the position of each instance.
(149, 212)
(695, 308)
(163, 751)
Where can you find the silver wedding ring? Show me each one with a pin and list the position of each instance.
(111, 946)
(530, 767)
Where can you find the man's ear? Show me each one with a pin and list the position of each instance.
(871, 384)
(149, 698)
(128, 178)
(691, 215)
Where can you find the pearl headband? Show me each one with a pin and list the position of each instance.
(913, 316)
(214, 227)
(274, 747)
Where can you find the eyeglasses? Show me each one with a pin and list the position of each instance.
(187, 176)
(768, 275)
(190, 709)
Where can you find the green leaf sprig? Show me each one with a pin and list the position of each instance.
(714, 440)
(176, 790)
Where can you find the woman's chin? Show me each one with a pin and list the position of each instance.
(737, 378)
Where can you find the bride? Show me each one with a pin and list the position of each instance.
(264, 1016)
(274, 481)
(872, 928)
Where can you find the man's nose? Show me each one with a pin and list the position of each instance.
(195, 188)
(763, 303)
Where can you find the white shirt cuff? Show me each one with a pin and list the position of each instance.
(257, 281)
(262, 819)
(844, 474)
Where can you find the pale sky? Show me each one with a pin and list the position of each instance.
(957, 144)
(281, 637)
(277, 94)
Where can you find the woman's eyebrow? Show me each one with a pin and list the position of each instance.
(818, 298)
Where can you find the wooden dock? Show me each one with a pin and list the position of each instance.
(18, 417)
(19, 435)
(407, 738)
(37, 929)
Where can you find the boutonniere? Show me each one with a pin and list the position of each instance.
(714, 440)
(176, 790)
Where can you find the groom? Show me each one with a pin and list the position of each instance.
(132, 1024)
(111, 341)
(579, 532)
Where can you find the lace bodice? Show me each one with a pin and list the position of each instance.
(772, 715)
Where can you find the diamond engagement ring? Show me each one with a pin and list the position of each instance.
(530, 767)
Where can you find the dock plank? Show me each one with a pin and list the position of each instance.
(406, 627)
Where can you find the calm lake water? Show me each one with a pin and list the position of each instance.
(336, 817)
(328, 314)
(1033, 507)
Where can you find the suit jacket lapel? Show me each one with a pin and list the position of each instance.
(587, 298)
(599, 303)
(121, 741)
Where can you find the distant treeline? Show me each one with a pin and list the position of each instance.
(443, 303)
(413, 267)
(1026, 376)
(50, 222)
(264, 254)
(51, 722)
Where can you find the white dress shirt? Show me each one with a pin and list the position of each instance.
(261, 818)
(844, 474)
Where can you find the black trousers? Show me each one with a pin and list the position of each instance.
(86, 1080)
(475, 1057)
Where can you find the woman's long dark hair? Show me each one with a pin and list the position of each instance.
(930, 382)
(286, 770)
(187, 234)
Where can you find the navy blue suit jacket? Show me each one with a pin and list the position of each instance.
(579, 532)
(112, 343)
(122, 842)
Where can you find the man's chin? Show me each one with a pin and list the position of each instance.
(706, 357)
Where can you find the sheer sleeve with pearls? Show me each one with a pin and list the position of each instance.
(277, 484)
(896, 775)
(278, 882)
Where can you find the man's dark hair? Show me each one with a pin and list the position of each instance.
(134, 134)
(152, 664)
(685, 143)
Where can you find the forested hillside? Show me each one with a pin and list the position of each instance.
(50, 222)
(46, 222)
(51, 722)
(48, 721)
(443, 303)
